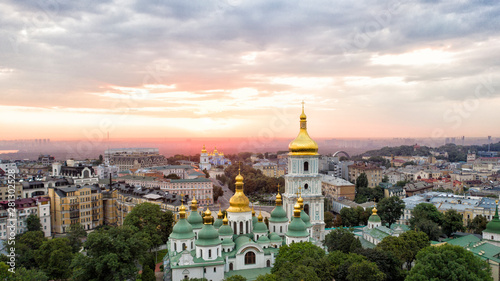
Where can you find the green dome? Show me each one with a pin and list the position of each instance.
(305, 218)
(218, 223)
(227, 242)
(182, 230)
(494, 225)
(374, 218)
(275, 237)
(225, 230)
(278, 215)
(195, 220)
(208, 236)
(263, 239)
(260, 227)
(297, 228)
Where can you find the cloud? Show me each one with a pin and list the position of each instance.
(222, 59)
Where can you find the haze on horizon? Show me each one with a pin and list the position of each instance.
(239, 69)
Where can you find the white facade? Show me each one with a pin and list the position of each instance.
(25, 207)
(303, 176)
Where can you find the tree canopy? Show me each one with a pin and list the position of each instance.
(448, 262)
(112, 254)
(342, 240)
(477, 225)
(390, 209)
(54, 258)
(33, 223)
(452, 222)
(149, 219)
(406, 246)
(426, 218)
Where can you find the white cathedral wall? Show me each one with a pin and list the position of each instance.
(278, 228)
(198, 272)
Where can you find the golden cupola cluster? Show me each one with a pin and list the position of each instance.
(303, 144)
(207, 218)
(239, 202)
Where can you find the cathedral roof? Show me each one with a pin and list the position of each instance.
(494, 225)
(239, 202)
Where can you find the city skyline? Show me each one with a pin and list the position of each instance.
(239, 69)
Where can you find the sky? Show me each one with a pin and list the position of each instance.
(235, 68)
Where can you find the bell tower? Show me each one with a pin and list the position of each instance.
(303, 177)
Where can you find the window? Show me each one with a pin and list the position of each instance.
(209, 253)
(231, 266)
(268, 264)
(250, 258)
(215, 269)
(306, 166)
(204, 270)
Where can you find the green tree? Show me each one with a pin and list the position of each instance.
(365, 270)
(341, 262)
(217, 192)
(329, 219)
(148, 274)
(385, 179)
(33, 223)
(236, 278)
(361, 181)
(302, 260)
(363, 215)
(390, 209)
(386, 262)
(26, 246)
(406, 246)
(349, 217)
(75, 235)
(149, 219)
(172, 176)
(5, 274)
(478, 224)
(426, 218)
(448, 262)
(341, 240)
(452, 222)
(54, 258)
(23, 274)
(112, 254)
(207, 175)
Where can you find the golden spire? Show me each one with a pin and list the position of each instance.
(239, 202)
(300, 201)
(296, 210)
(207, 219)
(182, 211)
(203, 150)
(194, 205)
(374, 210)
(279, 202)
(225, 221)
(260, 218)
(253, 211)
(303, 144)
(220, 215)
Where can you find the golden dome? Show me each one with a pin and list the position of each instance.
(303, 144)
(203, 150)
(215, 150)
(374, 211)
(225, 221)
(279, 202)
(239, 203)
(182, 211)
(300, 201)
(194, 204)
(253, 212)
(260, 217)
(207, 218)
(220, 215)
(296, 210)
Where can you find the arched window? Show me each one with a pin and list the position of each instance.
(306, 186)
(306, 208)
(241, 227)
(231, 266)
(209, 253)
(175, 246)
(250, 258)
(234, 228)
(246, 225)
(183, 246)
(306, 166)
(268, 263)
(281, 229)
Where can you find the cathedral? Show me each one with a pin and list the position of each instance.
(239, 242)
(215, 158)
